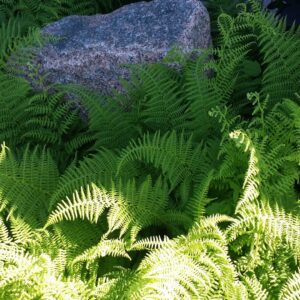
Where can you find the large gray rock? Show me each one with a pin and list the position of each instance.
(94, 49)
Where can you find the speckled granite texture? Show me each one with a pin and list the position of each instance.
(94, 48)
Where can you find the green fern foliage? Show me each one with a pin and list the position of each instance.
(27, 184)
(185, 186)
(40, 118)
(291, 288)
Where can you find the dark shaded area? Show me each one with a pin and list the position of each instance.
(289, 9)
(109, 6)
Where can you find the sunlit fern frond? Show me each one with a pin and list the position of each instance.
(291, 290)
(251, 181)
(106, 247)
(4, 232)
(86, 204)
(149, 243)
(24, 275)
(23, 234)
(97, 168)
(268, 225)
(138, 207)
(255, 289)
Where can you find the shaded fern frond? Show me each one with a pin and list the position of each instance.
(42, 118)
(111, 127)
(163, 105)
(196, 205)
(175, 155)
(29, 183)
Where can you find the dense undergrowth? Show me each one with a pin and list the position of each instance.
(191, 193)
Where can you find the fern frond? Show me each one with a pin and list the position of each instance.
(96, 168)
(174, 155)
(106, 247)
(14, 34)
(87, 204)
(204, 272)
(281, 56)
(4, 233)
(251, 182)
(163, 105)
(291, 290)
(255, 289)
(196, 205)
(112, 127)
(23, 234)
(42, 118)
(12, 255)
(272, 226)
(29, 183)
(294, 110)
(138, 206)
(201, 94)
(154, 242)
(74, 238)
(35, 276)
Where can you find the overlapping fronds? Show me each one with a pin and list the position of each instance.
(162, 104)
(42, 118)
(109, 125)
(291, 290)
(186, 186)
(173, 154)
(23, 275)
(28, 184)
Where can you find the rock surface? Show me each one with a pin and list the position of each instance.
(94, 49)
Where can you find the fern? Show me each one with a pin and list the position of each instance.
(251, 182)
(271, 239)
(40, 119)
(291, 288)
(26, 271)
(128, 206)
(105, 247)
(276, 225)
(281, 57)
(167, 281)
(110, 126)
(28, 184)
(273, 168)
(175, 156)
(162, 104)
(86, 206)
(255, 289)
(97, 168)
(123, 196)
